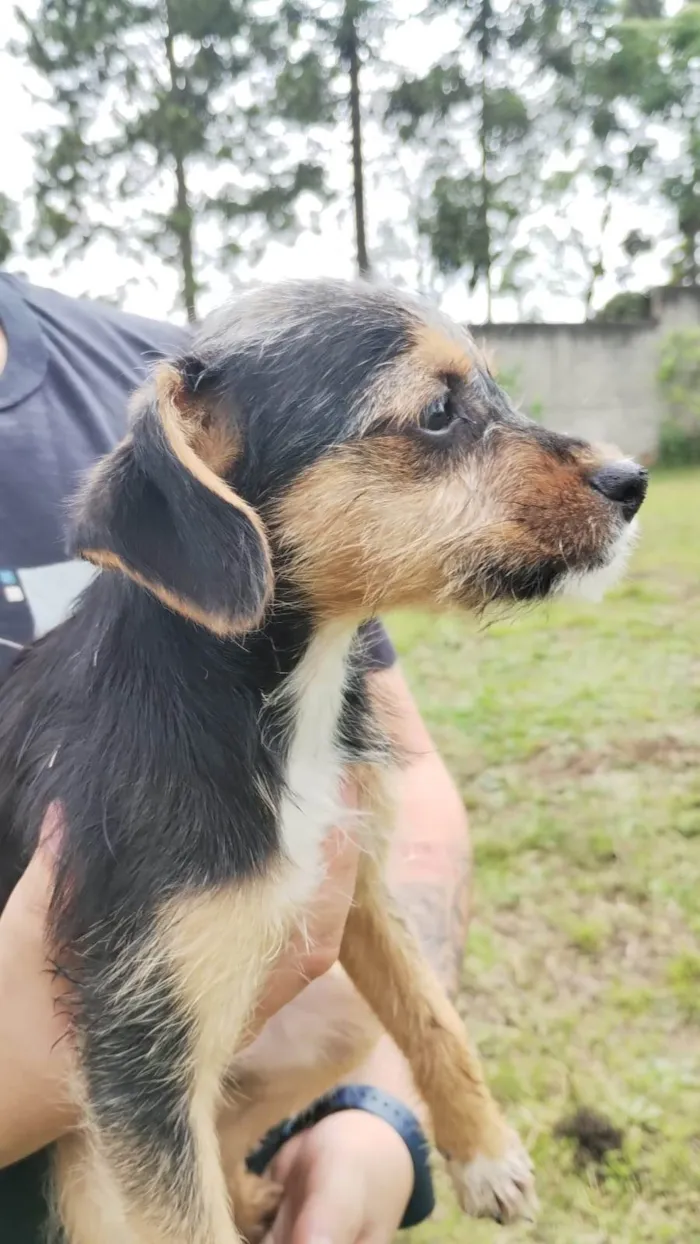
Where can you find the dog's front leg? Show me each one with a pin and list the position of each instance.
(490, 1170)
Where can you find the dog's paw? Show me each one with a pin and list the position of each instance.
(255, 1201)
(499, 1188)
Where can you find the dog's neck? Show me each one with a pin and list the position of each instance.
(267, 674)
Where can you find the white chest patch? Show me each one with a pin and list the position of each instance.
(312, 804)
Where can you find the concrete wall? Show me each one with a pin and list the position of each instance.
(595, 380)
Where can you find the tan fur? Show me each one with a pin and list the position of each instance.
(385, 965)
(424, 535)
(254, 1201)
(402, 390)
(428, 540)
(415, 531)
(387, 968)
(218, 623)
(441, 354)
(217, 947)
(186, 424)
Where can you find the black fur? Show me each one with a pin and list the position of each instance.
(163, 744)
(153, 516)
(149, 731)
(298, 398)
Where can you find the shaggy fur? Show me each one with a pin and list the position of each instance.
(324, 452)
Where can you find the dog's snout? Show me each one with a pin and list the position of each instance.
(624, 482)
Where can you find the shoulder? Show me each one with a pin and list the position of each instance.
(87, 330)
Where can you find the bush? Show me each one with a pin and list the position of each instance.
(626, 308)
(509, 380)
(679, 383)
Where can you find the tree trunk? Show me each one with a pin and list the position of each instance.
(358, 187)
(484, 54)
(184, 239)
(182, 220)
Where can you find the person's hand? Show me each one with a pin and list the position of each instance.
(36, 1058)
(346, 1181)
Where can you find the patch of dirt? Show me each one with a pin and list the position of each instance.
(666, 751)
(538, 967)
(592, 1133)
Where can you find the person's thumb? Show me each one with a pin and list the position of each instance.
(32, 893)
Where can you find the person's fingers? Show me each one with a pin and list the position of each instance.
(322, 1203)
(346, 1181)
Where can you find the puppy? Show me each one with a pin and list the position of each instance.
(324, 453)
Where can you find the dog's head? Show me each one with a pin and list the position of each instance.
(350, 445)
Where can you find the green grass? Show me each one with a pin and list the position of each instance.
(574, 735)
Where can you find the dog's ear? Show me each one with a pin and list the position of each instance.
(157, 509)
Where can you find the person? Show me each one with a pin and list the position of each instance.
(67, 367)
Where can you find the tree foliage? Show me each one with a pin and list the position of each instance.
(161, 102)
(8, 226)
(196, 129)
(323, 84)
(645, 82)
(473, 113)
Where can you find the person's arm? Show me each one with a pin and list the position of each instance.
(349, 1178)
(430, 858)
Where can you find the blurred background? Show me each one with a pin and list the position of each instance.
(535, 167)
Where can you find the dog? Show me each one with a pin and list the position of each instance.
(324, 452)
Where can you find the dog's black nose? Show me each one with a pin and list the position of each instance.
(624, 482)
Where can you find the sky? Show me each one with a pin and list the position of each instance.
(150, 289)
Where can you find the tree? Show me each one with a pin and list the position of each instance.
(323, 84)
(646, 77)
(473, 113)
(161, 123)
(626, 308)
(676, 61)
(602, 147)
(491, 113)
(8, 226)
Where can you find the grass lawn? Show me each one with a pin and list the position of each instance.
(574, 735)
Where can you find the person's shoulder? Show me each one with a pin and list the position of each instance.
(97, 325)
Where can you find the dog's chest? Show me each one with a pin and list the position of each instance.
(312, 802)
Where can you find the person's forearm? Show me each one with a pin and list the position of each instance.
(429, 868)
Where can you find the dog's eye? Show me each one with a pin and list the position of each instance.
(438, 416)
